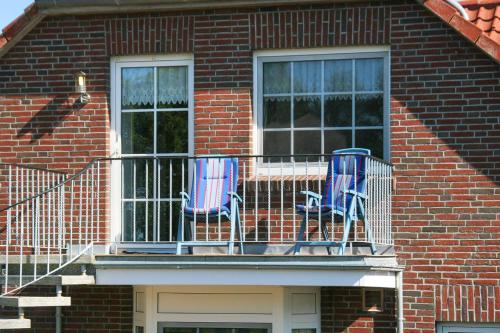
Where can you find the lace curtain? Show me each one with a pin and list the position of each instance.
(369, 75)
(138, 86)
(172, 85)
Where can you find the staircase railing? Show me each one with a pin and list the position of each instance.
(19, 182)
(52, 224)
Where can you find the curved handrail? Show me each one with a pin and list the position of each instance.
(75, 176)
(31, 167)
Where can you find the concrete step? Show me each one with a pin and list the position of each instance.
(53, 280)
(14, 324)
(34, 302)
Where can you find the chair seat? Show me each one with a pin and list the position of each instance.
(213, 211)
(303, 209)
(316, 210)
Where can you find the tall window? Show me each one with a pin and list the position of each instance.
(154, 106)
(316, 104)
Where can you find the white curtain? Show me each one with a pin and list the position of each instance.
(307, 77)
(338, 97)
(369, 75)
(276, 78)
(137, 86)
(338, 75)
(172, 85)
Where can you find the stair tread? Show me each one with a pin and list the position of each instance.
(34, 301)
(14, 323)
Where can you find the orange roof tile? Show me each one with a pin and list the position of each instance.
(482, 27)
(485, 14)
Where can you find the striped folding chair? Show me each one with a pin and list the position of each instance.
(344, 196)
(213, 197)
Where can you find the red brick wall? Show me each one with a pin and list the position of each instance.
(103, 309)
(445, 107)
(444, 117)
(342, 311)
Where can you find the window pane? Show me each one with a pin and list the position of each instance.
(369, 74)
(251, 330)
(371, 139)
(307, 111)
(140, 220)
(304, 330)
(172, 132)
(137, 133)
(306, 77)
(338, 110)
(128, 218)
(137, 88)
(369, 110)
(176, 179)
(337, 140)
(307, 142)
(276, 77)
(172, 87)
(277, 143)
(168, 226)
(134, 174)
(277, 112)
(338, 75)
(179, 330)
(216, 330)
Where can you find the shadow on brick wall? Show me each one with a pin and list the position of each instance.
(48, 119)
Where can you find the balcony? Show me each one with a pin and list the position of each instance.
(130, 212)
(270, 189)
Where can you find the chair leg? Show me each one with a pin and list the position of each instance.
(240, 231)
(302, 231)
(326, 237)
(347, 229)
(369, 234)
(180, 234)
(231, 234)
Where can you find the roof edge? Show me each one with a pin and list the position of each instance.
(452, 17)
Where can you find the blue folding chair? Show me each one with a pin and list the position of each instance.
(344, 196)
(213, 195)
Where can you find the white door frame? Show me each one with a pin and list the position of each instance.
(117, 63)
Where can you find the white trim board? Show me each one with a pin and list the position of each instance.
(247, 277)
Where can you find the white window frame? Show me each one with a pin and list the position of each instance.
(467, 328)
(260, 57)
(117, 64)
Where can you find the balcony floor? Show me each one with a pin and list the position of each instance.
(283, 270)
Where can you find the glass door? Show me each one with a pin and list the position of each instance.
(154, 116)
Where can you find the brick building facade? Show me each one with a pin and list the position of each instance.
(444, 135)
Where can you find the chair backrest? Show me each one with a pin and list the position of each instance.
(346, 172)
(213, 179)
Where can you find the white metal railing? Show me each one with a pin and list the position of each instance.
(52, 225)
(48, 223)
(19, 182)
(270, 189)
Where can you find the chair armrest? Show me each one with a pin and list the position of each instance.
(234, 194)
(184, 196)
(354, 193)
(312, 194)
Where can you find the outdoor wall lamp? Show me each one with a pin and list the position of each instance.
(81, 87)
